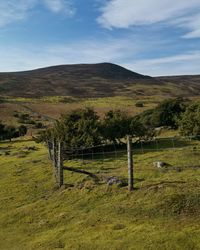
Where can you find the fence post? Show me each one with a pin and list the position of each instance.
(54, 159)
(49, 149)
(60, 165)
(54, 152)
(130, 164)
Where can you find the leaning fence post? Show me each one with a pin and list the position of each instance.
(130, 164)
(60, 165)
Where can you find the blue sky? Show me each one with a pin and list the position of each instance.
(152, 37)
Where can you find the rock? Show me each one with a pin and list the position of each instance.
(160, 164)
(113, 180)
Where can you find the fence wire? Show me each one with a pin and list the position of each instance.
(178, 154)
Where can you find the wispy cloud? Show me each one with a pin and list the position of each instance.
(192, 24)
(60, 6)
(12, 10)
(181, 64)
(127, 13)
(89, 51)
(94, 51)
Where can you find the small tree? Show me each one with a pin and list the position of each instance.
(80, 128)
(22, 130)
(11, 132)
(39, 125)
(115, 126)
(166, 113)
(189, 123)
(2, 131)
(83, 128)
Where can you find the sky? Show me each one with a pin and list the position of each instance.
(151, 37)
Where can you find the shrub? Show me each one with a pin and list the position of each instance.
(166, 113)
(83, 128)
(139, 104)
(189, 122)
(39, 125)
(22, 130)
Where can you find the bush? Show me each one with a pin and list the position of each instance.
(83, 128)
(39, 125)
(189, 122)
(9, 132)
(166, 113)
(22, 130)
(115, 126)
(139, 104)
(25, 119)
(79, 128)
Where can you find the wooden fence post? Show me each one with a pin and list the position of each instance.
(54, 159)
(60, 165)
(130, 164)
(49, 149)
(54, 153)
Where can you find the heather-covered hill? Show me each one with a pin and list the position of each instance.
(83, 80)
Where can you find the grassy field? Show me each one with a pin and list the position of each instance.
(161, 213)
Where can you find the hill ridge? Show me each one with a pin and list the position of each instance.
(79, 80)
(93, 80)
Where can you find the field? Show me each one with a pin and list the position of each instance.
(49, 108)
(161, 213)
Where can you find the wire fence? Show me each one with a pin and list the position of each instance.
(107, 160)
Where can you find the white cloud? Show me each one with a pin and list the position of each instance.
(93, 51)
(193, 24)
(60, 6)
(12, 10)
(183, 64)
(127, 13)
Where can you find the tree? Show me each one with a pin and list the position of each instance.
(115, 126)
(137, 129)
(11, 132)
(83, 128)
(79, 128)
(39, 125)
(189, 123)
(2, 131)
(22, 130)
(167, 113)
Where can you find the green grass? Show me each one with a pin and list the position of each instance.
(161, 213)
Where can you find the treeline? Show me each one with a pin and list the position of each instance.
(84, 127)
(9, 132)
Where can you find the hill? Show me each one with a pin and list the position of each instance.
(81, 80)
(191, 83)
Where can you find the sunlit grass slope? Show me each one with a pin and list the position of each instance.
(52, 107)
(161, 213)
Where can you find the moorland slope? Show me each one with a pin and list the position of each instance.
(93, 80)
